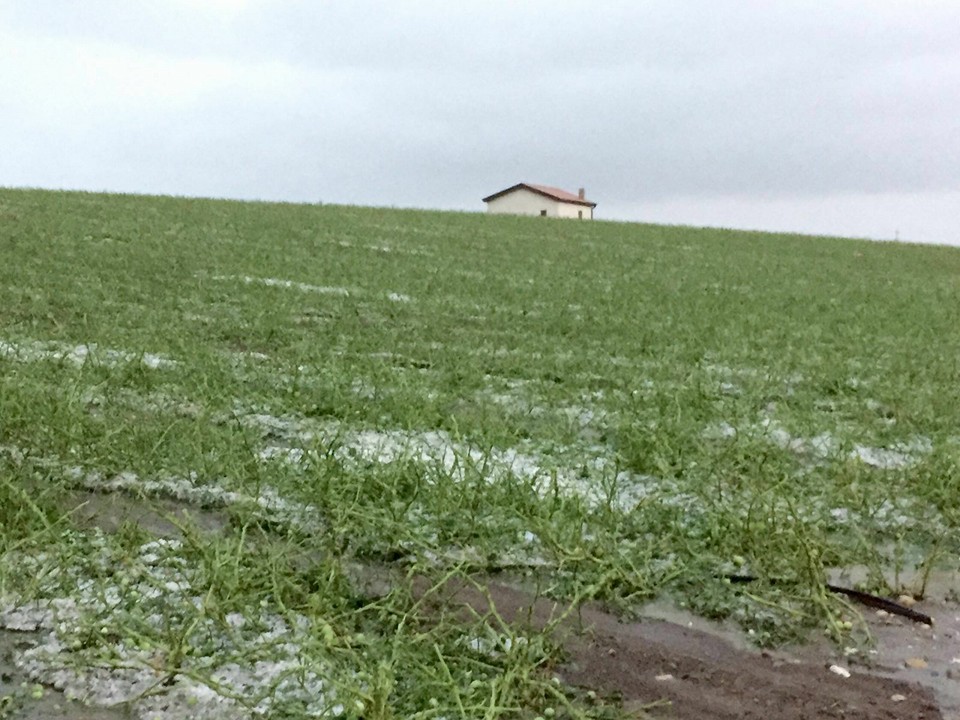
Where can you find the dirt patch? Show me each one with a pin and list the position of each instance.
(703, 676)
(692, 673)
(900, 644)
(911, 651)
(670, 664)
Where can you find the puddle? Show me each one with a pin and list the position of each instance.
(897, 640)
(165, 518)
(695, 672)
(905, 650)
(162, 517)
(901, 643)
(664, 609)
(911, 651)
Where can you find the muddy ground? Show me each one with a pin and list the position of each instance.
(668, 665)
(914, 652)
(672, 670)
(666, 669)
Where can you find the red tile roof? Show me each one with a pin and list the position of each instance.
(551, 192)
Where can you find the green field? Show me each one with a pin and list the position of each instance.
(600, 410)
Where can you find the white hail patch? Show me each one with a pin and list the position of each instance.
(242, 667)
(152, 402)
(268, 502)
(398, 297)
(901, 455)
(519, 396)
(728, 373)
(411, 250)
(595, 479)
(36, 351)
(825, 445)
(896, 513)
(491, 643)
(289, 284)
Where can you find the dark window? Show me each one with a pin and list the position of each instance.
(580, 214)
(543, 213)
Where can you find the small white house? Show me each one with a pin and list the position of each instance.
(529, 199)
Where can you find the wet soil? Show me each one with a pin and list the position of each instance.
(897, 644)
(678, 671)
(668, 665)
(929, 655)
(914, 652)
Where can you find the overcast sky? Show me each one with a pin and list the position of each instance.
(824, 117)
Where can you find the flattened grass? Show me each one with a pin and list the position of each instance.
(724, 392)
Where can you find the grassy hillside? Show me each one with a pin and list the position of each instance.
(620, 410)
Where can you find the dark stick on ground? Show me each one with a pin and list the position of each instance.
(687, 674)
(874, 601)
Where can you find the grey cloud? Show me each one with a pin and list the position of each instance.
(439, 103)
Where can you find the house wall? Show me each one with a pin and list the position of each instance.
(523, 202)
(570, 210)
(526, 202)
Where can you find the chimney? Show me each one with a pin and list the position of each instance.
(580, 193)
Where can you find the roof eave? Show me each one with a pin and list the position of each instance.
(504, 192)
(538, 191)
